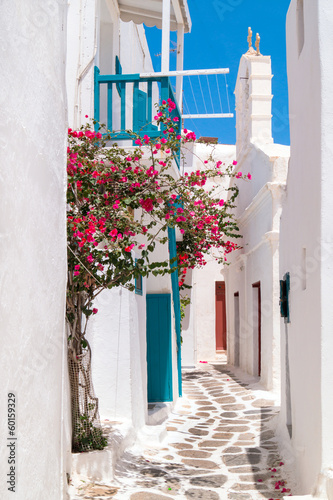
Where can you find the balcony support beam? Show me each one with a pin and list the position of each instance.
(166, 10)
(180, 65)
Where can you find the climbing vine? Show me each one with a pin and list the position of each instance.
(120, 203)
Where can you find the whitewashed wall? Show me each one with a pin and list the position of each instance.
(306, 246)
(117, 335)
(258, 213)
(33, 360)
(198, 328)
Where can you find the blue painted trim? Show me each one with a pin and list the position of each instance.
(109, 107)
(119, 71)
(120, 81)
(176, 301)
(123, 106)
(96, 96)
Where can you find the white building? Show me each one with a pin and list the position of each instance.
(252, 284)
(33, 356)
(306, 250)
(110, 36)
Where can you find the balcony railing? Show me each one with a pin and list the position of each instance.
(126, 102)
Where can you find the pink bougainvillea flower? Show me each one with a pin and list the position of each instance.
(90, 259)
(76, 273)
(147, 204)
(203, 361)
(95, 311)
(281, 463)
(77, 267)
(234, 162)
(221, 203)
(129, 248)
(138, 142)
(238, 175)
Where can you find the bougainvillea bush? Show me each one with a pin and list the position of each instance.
(119, 205)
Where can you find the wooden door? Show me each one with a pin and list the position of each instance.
(159, 355)
(220, 315)
(257, 322)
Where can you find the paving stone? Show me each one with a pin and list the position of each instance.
(201, 494)
(171, 428)
(247, 486)
(182, 446)
(261, 403)
(212, 444)
(148, 484)
(239, 496)
(194, 454)
(101, 490)
(248, 398)
(239, 421)
(206, 408)
(246, 435)
(203, 414)
(191, 472)
(267, 435)
(147, 495)
(225, 400)
(232, 407)
(235, 428)
(244, 468)
(215, 481)
(242, 459)
(222, 435)
(152, 472)
(198, 432)
(204, 464)
(245, 444)
(233, 449)
(229, 414)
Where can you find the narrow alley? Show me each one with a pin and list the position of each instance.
(219, 445)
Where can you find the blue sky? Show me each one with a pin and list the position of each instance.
(218, 39)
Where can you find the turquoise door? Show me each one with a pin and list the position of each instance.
(159, 354)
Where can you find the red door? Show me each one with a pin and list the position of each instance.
(220, 314)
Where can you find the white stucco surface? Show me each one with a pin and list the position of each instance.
(258, 210)
(117, 335)
(33, 360)
(306, 248)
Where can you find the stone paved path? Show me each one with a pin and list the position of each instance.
(219, 446)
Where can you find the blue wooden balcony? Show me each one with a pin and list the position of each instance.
(127, 102)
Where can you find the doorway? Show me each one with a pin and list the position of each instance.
(236, 326)
(220, 316)
(159, 350)
(256, 295)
